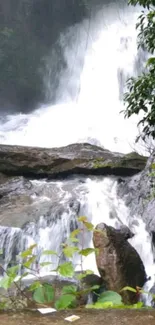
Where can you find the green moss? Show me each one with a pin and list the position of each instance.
(98, 163)
(134, 155)
(131, 160)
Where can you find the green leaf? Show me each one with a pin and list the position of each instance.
(150, 61)
(101, 305)
(35, 285)
(89, 226)
(82, 219)
(71, 289)
(1, 251)
(89, 289)
(75, 233)
(32, 246)
(70, 250)
(66, 270)
(6, 282)
(110, 304)
(28, 263)
(44, 294)
(11, 271)
(28, 252)
(65, 302)
(139, 305)
(129, 289)
(95, 287)
(84, 274)
(45, 264)
(87, 251)
(49, 252)
(74, 240)
(110, 296)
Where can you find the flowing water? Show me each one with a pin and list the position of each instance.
(103, 51)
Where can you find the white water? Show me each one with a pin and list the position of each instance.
(98, 201)
(93, 115)
(107, 44)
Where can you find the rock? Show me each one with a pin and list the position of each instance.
(23, 202)
(86, 283)
(15, 201)
(23, 46)
(118, 262)
(138, 193)
(152, 296)
(125, 232)
(73, 159)
(13, 186)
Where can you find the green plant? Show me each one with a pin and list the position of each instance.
(111, 299)
(44, 294)
(141, 95)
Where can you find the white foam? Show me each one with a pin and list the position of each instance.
(108, 43)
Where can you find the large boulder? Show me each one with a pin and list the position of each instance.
(118, 262)
(80, 158)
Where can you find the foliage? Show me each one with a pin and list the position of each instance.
(111, 299)
(44, 294)
(141, 90)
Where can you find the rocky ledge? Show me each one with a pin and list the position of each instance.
(81, 158)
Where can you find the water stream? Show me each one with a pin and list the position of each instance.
(103, 48)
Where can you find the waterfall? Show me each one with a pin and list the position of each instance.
(100, 54)
(101, 50)
(94, 197)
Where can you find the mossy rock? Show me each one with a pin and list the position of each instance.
(81, 158)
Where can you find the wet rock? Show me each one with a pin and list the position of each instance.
(81, 158)
(23, 201)
(138, 193)
(10, 186)
(87, 283)
(22, 88)
(152, 296)
(118, 262)
(125, 232)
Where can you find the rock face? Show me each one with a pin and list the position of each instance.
(118, 262)
(79, 158)
(25, 49)
(139, 194)
(23, 201)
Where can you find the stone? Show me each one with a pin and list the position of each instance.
(138, 193)
(86, 283)
(118, 262)
(152, 296)
(125, 232)
(80, 158)
(23, 88)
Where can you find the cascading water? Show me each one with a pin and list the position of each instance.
(95, 198)
(103, 51)
(106, 53)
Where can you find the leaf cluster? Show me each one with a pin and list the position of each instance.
(140, 95)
